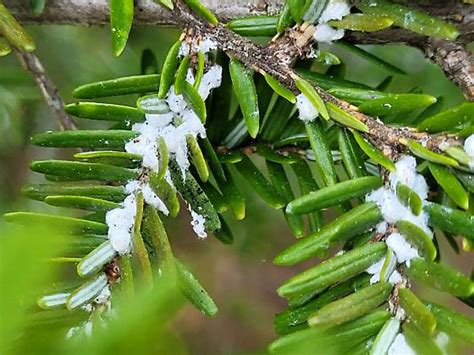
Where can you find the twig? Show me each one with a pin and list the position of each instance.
(31, 63)
(456, 62)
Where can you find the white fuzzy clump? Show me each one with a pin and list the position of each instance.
(198, 223)
(469, 145)
(121, 222)
(149, 195)
(307, 111)
(326, 33)
(376, 269)
(393, 211)
(395, 278)
(174, 127)
(400, 346)
(205, 46)
(407, 175)
(402, 249)
(381, 228)
(210, 80)
(469, 149)
(175, 102)
(335, 10)
(390, 206)
(184, 49)
(104, 296)
(146, 144)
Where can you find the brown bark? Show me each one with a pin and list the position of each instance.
(96, 12)
(456, 62)
(50, 92)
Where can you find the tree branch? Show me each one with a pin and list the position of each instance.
(32, 64)
(455, 61)
(96, 12)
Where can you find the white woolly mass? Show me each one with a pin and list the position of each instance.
(375, 270)
(104, 296)
(407, 175)
(148, 195)
(402, 249)
(175, 102)
(198, 223)
(381, 227)
(307, 111)
(326, 33)
(469, 145)
(207, 45)
(121, 222)
(469, 149)
(335, 10)
(183, 50)
(146, 144)
(400, 346)
(174, 127)
(393, 211)
(395, 278)
(390, 206)
(210, 80)
(204, 46)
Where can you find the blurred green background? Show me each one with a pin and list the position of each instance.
(241, 277)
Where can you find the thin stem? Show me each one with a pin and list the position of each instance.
(32, 64)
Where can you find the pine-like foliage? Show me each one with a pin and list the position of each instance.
(197, 124)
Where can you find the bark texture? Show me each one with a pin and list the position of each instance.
(456, 62)
(96, 12)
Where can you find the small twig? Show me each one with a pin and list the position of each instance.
(455, 61)
(32, 64)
